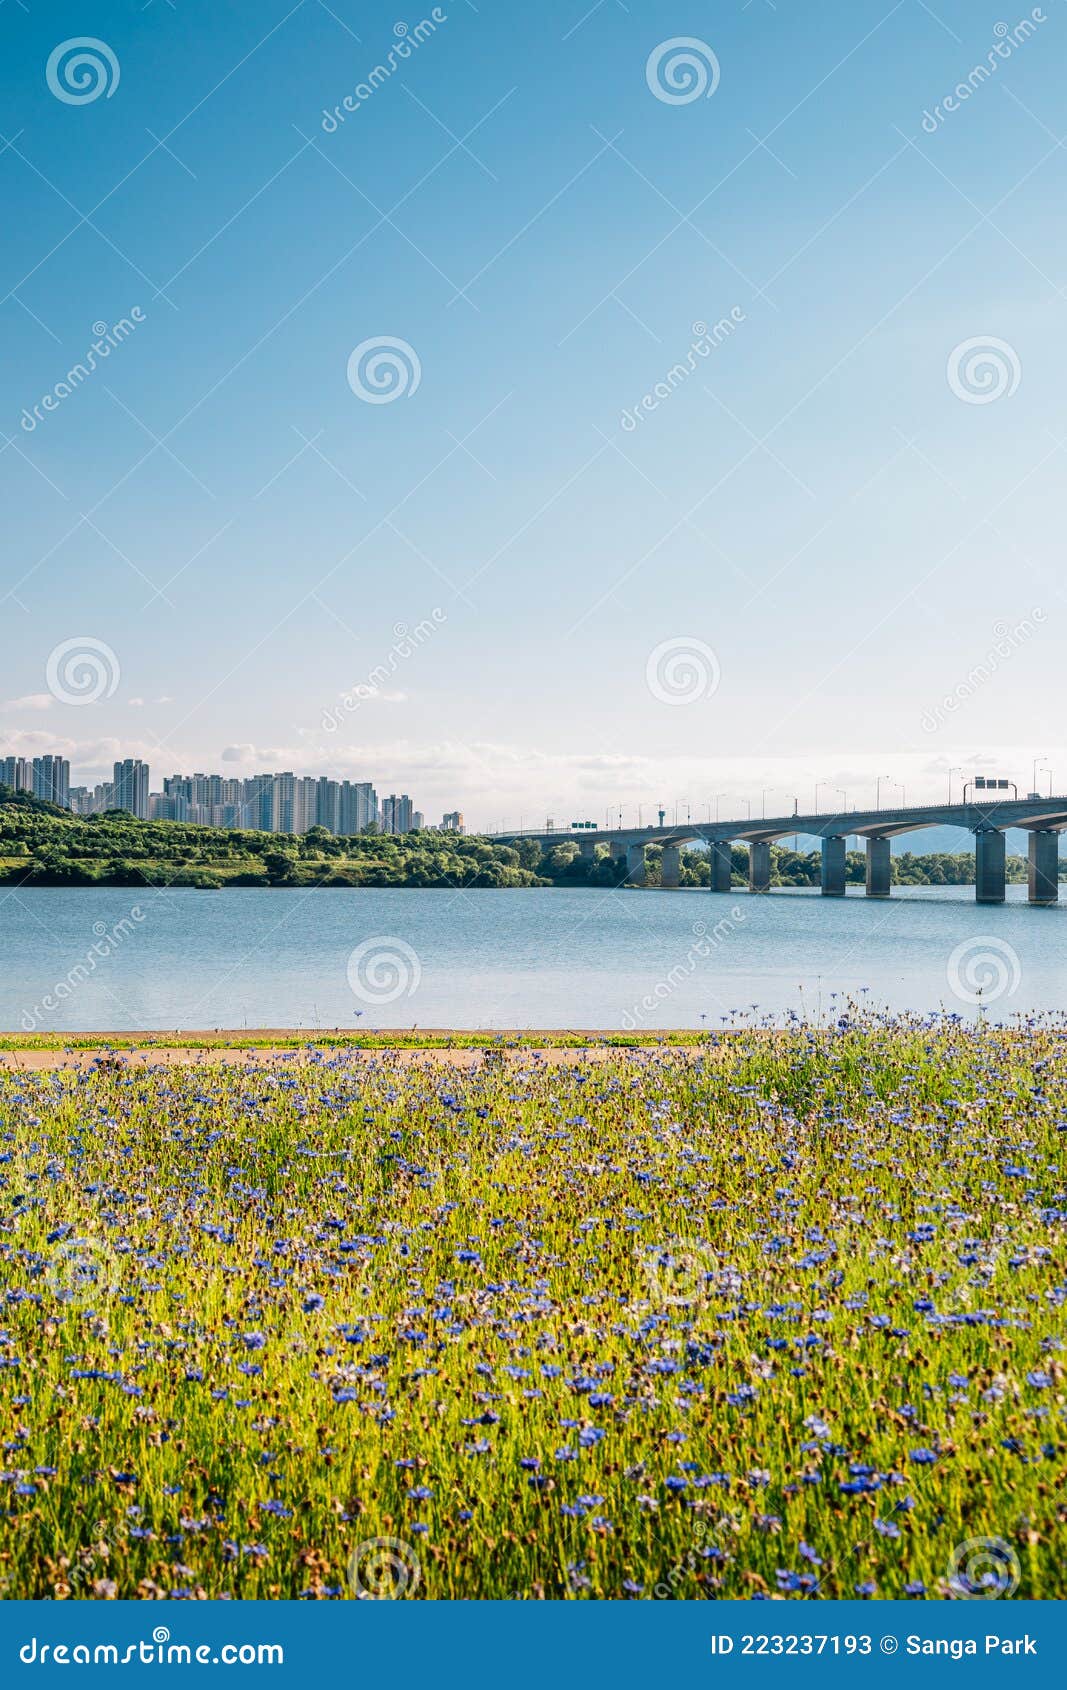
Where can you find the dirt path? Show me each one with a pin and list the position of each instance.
(463, 1057)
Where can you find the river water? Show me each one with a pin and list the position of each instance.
(117, 959)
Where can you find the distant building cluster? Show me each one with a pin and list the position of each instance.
(276, 803)
(44, 777)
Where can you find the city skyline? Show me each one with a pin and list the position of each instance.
(276, 802)
(427, 480)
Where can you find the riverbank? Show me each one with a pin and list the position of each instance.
(288, 1039)
(263, 1050)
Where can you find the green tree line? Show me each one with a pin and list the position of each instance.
(41, 845)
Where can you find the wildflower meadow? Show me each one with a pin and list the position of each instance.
(776, 1316)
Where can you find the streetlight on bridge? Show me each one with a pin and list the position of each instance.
(878, 791)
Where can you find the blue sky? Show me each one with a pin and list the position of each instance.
(814, 503)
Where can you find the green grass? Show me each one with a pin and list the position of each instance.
(790, 1262)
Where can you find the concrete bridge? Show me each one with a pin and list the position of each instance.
(1042, 818)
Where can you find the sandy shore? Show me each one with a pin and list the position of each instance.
(153, 1051)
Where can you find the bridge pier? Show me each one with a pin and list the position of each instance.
(587, 850)
(635, 865)
(616, 850)
(833, 866)
(720, 862)
(671, 870)
(989, 854)
(1044, 866)
(879, 873)
(759, 865)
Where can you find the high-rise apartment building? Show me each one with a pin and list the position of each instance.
(131, 787)
(396, 813)
(452, 822)
(51, 780)
(327, 804)
(293, 803)
(357, 807)
(257, 795)
(16, 772)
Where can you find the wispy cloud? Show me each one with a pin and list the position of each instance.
(31, 701)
